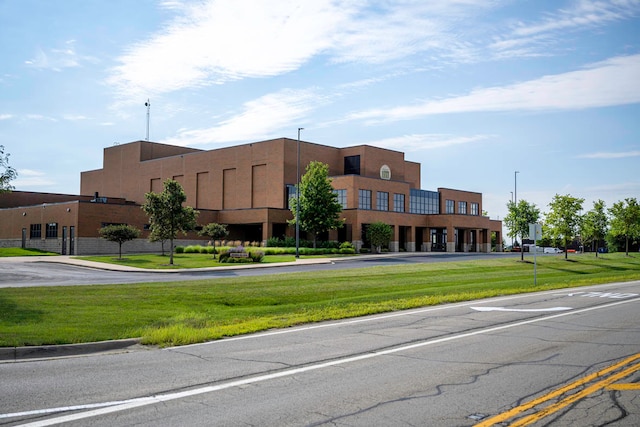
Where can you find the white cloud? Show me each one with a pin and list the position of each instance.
(31, 178)
(55, 59)
(6, 116)
(608, 83)
(532, 39)
(40, 117)
(418, 142)
(259, 119)
(214, 42)
(611, 155)
(74, 117)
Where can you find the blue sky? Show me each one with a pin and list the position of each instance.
(474, 90)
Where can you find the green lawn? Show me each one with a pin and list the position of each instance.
(196, 311)
(12, 252)
(156, 261)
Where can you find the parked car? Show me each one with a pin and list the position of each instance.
(552, 251)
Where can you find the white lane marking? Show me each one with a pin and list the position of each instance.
(594, 294)
(150, 400)
(521, 310)
(403, 313)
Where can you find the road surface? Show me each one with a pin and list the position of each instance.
(563, 358)
(21, 272)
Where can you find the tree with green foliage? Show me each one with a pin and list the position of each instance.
(519, 217)
(595, 224)
(319, 209)
(564, 219)
(625, 220)
(215, 232)
(379, 234)
(167, 216)
(119, 233)
(7, 173)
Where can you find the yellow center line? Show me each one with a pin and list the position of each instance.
(522, 408)
(575, 397)
(632, 386)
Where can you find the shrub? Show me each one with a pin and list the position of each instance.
(179, 249)
(256, 256)
(346, 245)
(224, 256)
(191, 249)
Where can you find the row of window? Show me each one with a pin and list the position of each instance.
(51, 231)
(462, 208)
(420, 201)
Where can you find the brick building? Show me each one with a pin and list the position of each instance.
(248, 187)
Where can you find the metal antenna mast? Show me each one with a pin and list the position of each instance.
(148, 105)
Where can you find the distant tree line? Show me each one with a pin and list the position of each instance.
(617, 227)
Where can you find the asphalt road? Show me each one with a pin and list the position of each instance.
(48, 272)
(563, 358)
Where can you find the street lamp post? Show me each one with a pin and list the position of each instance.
(515, 201)
(298, 197)
(515, 186)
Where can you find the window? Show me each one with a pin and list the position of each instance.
(450, 206)
(398, 202)
(424, 202)
(462, 208)
(291, 193)
(35, 231)
(52, 230)
(382, 201)
(341, 197)
(352, 165)
(364, 199)
(475, 209)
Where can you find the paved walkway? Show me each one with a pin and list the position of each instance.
(72, 260)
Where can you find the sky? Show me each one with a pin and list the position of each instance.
(535, 98)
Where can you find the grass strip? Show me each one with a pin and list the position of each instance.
(188, 312)
(161, 262)
(14, 252)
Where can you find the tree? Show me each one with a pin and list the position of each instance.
(625, 220)
(518, 219)
(7, 173)
(319, 208)
(215, 231)
(564, 219)
(119, 233)
(167, 216)
(595, 224)
(379, 234)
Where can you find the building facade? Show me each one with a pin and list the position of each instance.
(248, 187)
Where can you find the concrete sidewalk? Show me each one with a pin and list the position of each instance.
(72, 260)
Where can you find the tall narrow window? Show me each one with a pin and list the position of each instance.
(52, 230)
(35, 231)
(475, 209)
(364, 199)
(382, 201)
(398, 202)
(462, 208)
(341, 196)
(449, 206)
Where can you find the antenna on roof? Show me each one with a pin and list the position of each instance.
(148, 105)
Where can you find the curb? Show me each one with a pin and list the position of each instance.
(8, 354)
